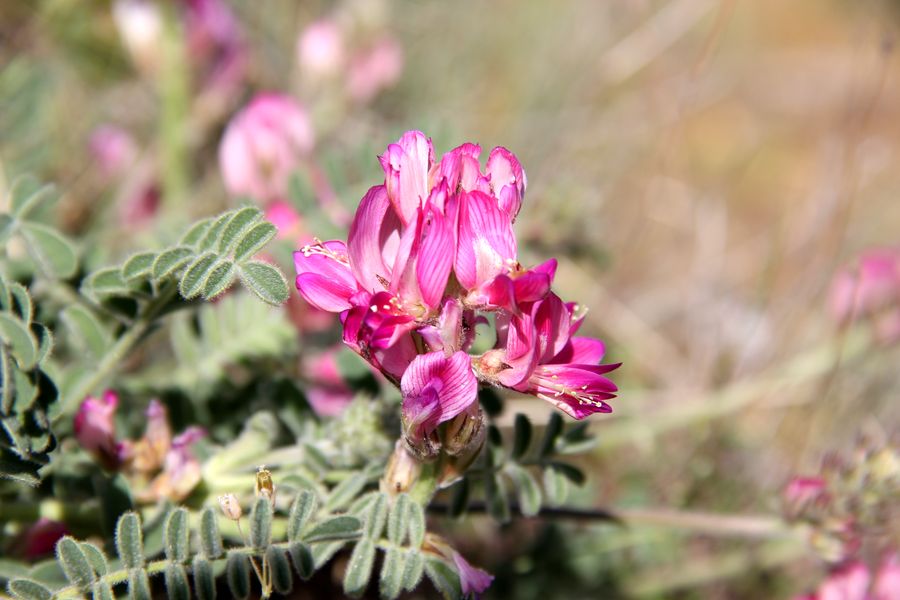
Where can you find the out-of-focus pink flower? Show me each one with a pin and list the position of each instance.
(801, 492)
(328, 393)
(375, 69)
(887, 582)
(263, 144)
(140, 205)
(181, 470)
(39, 539)
(95, 429)
(320, 48)
(140, 26)
(472, 580)
(215, 44)
(286, 218)
(853, 581)
(870, 289)
(112, 149)
(150, 451)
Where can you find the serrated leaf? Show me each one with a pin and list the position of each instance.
(261, 523)
(21, 341)
(129, 541)
(359, 568)
(237, 573)
(27, 193)
(139, 265)
(196, 231)
(344, 492)
(459, 500)
(253, 240)
(96, 557)
(341, 528)
(522, 436)
(204, 579)
(102, 591)
(376, 516)
(75, 564)
(556, 486)
(138, 585)
(27, 589)
(210, 539)
(170, 261)
(414, 567)
(265, 281)
(236, 227)
(177, 586)
(527, 486)
(301, 510)
(444, 578)
(551, 432)
(302, 557)
(391, 580)
(191, 283)
(218, 279)
(280, 570)
(398, 520)
(87, 330)
(51, 250)
(177, 536)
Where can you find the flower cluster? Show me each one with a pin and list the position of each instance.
(871, 290)
(430, 255)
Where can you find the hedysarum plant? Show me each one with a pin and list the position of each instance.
(430, 253)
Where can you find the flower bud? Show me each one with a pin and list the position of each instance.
(230, 506)
(265, 487)
(463, 439)
(402, 471)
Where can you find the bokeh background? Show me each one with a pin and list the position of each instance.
(701, 169)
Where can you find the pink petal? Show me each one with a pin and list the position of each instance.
(472, 580)
(372, 243)
(406, 165)
(324, 277)
(847, 583)
(581, 350)
(435, 257)
(432, 378)
(486, 245)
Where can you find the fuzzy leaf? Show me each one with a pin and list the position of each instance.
(87, 330)
(444, 578)
(253, 240)
(340, 528)
(522, 437)
(302, 558)
(416, 525)
(138, 585)
(18, 336)
(398, 521)
(237, 226)
(96, 557)
(138, 265)
(344, 492)
(102, 591)
(529, 491)
(377, 516)
(391, 580)
(21, 302)
(177, 586)
(265, 281)
(304, 506)
(261, 523)
(570, 472)
(210, 540)
(194, 277)
(556, 486)
(414, 567)
(27, 589)
(237, 572)
(129, 541)
(170, 261)
(196, 231)
(280, 568)
(498, 503)
(7, 228)
(204, 579)
(322, 553)
(52, 252)
(211, 236)
(177, 536)
(75, 563)
(551, 432)
(359, 569)
(218, 279)
(27, 193)
(106, 282)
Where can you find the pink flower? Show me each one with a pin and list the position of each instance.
(112, 149)
(435, 389)
(472, 580)
(263, 144)
(375, 69)
(39, 539)
(854, 581)
(872, 290)
(327, 392)
(181, 470)
(286, 218)
(320, 48)
(95, 430)
(215, 44)
(803, 491)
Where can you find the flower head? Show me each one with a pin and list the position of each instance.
(95, 430)
(870, 289)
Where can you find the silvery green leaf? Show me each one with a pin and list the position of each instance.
(237, 573)
(391, 580)
(204, 579)
(210, 539)
(196, 231)
(237, 226)
(210, 238)
(27, 589)
(302, 558)
(339, 528)
(138, 265)
(102, 591)
(177, 536)
(191, 284)
(138, 585)
(218, 279)
(129, 541)
(301, 510)
(556, 486)
(27, 193)
(18, 336)
(253, 240)
(376, 516)
(86, 330)
(444, 578)
(398, 520)
(177, 586)
(171, 260)
(261, 523)
(529, 491)
(75, 563)
(359, 568)
(96, 557)
(414, 567)
(50, 249)
(265, 281)
(280, 569)
(344, 492)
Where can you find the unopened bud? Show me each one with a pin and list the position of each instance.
(230, 506)
(265, 487)
(424, 447)
(402, 470)
(464, 438)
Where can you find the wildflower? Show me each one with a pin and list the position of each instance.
(855, 581)
(95, 430)
(871, 290)
(230, 506)
(320, 48)
(328, 393)
(265, 487)
(181, 471)
(39, 539)
(374, 69)
(150, 451)
(263, 144)
(472, 580)
(112, 149)
(215, 43)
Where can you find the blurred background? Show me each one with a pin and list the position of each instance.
(702, 169)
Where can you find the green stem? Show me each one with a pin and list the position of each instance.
(174, 92)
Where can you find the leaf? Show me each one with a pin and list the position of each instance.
(210, 539)
(86, 330)
(344, 492)
(414, 567)
(322, 553)
(106, 282)
(138, 585)
(75, 563)
(280, 570)
(45, 341)
(129, 542)
(218, 279)
(177, 586)
(444, 578)
(416, 525)
(302, 509)
(170, 261)
(237, 572)
(529, 491)
(16, 334)
(302, 558)
(7, 228)
(459, 501)
(551, 432)
(177, 536)
(498, 503)
(261, 523)
(376, 517)
(196, 231)
(96, 557)
(52, 252)
(139, 265)
(341, 528)
(204, 579)
(195, 275)
(236, 227)
(359, 569)
(570, 472)
(391, 580)
(102, 591)
(27, 589)
(265, 281)
(398, 521)
(23, 305)
(253, 241)
(522, 436)
(556, 486)
(27, 193)
(211, 236)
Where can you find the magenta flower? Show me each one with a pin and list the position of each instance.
(871, 290)
(39, 539)
(854, 581)
(215, 44)
(263, 144)
(435, 389)
(472, 580)
(112, 149)
(95, 430)
(328, 393)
